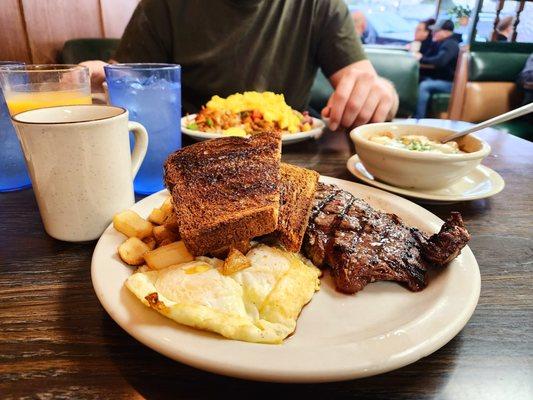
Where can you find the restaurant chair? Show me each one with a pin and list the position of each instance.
(78, 50)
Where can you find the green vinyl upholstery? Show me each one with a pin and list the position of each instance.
(439, 104)
(400, 67)
(78, 50)
(489, 66)
(503, 65)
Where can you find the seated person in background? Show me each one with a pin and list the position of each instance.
(525, 84)
(226, 47)
(504, 30)
(362, 29)
(423, 42)
(443, 65)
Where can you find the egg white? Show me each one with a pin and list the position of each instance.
(258, 304)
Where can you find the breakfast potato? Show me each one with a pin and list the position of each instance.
(170, 254)
(167, 206)
(161, 233)
(132, 225)
(172, 223)
(235, 261)
(157, 216)
(150, 241)
(132, 251)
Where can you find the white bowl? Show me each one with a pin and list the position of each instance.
(413, 169)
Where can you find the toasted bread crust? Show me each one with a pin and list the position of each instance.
(225, 190)
(231, 231)
(298, 186)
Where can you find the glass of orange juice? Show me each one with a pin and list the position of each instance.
(36, 86)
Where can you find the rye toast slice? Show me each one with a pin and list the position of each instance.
(226, 190)
(298, 186)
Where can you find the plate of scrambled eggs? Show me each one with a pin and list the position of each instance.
(244, 114)
(274, 320)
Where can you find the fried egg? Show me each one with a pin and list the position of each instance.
(258, 304)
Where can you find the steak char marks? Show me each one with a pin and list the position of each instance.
(363, 245)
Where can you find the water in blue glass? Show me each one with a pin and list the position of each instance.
(154, 102)
(13, 172)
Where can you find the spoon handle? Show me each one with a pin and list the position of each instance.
(496, 120)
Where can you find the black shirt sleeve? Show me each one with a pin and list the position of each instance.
(338, 44)
(148, 36)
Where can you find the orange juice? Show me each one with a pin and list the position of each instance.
(24, 101)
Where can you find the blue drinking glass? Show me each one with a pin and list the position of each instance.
(152, 95)
(13, 172)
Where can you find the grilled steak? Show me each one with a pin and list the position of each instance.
(363, 245)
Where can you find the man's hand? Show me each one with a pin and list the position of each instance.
(360, 96)
(96, 72)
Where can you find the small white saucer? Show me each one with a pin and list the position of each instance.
(481, 183)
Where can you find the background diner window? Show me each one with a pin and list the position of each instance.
(392, 22)
(487, 16)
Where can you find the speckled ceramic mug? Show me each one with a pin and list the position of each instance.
(80, 165)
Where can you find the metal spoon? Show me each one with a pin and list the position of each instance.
(493, 121)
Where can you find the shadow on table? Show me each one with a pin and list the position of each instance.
(156, 377)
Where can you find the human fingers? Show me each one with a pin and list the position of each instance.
(337, 101)
(368, 109)
(382, 111)
(357, 99)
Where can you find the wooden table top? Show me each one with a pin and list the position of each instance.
(56, 340)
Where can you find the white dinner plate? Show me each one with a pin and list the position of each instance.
(286, 138)
(338, 336)
(481, 183)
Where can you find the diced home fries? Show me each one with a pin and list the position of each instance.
(132, 251)
(132, 225)
(150, 241)
(235, 261)
(167, 206)
(161, 233)
(171, 254)
(159, 246)
(157, 216)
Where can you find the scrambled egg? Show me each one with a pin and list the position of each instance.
(271, 105)
(258, 304)
(235, 131)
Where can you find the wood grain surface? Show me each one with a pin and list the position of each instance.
(56, 341)
(52, 22)
(34, 31)
(116, 15)
(14, 39)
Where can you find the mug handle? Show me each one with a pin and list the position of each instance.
(140, 147)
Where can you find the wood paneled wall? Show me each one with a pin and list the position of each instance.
(34, 31)
(14, 43)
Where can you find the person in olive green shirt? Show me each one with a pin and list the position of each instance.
(230, 46)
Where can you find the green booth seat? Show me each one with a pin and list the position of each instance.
(439, 104)
(78, 50)
(490, 66)
(501, 64)
(400, 67)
